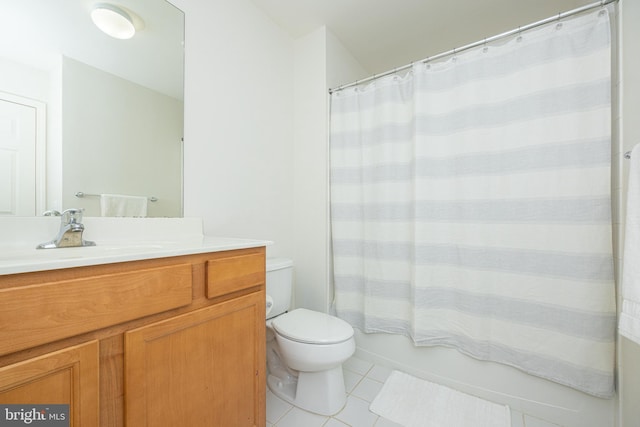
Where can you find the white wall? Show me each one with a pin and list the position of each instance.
(238, 122)
(310, 220)
(320, 62)
(629, 352)
(342, 67)
(24, 80)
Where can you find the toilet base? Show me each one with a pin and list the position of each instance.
(320, 392)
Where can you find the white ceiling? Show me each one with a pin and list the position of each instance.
(385, 34)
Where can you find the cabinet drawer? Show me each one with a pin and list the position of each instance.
(234, 273)
(46, 312)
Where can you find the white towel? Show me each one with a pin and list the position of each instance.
(120, 205)
(630, 316)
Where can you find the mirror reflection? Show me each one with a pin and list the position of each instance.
(85, 112)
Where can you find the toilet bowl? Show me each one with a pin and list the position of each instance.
(305, 352)
(312, 346)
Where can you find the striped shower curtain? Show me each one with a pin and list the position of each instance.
(470, 204)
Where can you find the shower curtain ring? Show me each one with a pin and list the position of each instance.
(603, 10)
(559, 24)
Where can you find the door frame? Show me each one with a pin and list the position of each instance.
(40, 148)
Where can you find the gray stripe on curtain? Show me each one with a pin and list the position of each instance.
(577, 266)
(572, 211)
(578, 97)
(533, 158)
(581, 323)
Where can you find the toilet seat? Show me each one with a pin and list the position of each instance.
(312, 327)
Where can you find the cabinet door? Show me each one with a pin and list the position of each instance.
(205, 368)
(69, 376)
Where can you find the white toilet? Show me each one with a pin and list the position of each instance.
(305, 348)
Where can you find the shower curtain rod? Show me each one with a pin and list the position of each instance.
(557, 17)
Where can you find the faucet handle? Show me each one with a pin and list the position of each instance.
(72, 216)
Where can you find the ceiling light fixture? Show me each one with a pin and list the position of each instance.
(113, 20)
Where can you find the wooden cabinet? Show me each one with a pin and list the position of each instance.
(203, 368)
(161, 342)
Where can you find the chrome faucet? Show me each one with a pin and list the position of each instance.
(70, 234)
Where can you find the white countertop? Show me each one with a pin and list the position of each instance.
(117, 240)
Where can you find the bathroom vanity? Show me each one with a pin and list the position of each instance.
(148, 334)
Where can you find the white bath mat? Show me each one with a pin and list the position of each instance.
(413, 402)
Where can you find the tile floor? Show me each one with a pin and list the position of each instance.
(363, 381)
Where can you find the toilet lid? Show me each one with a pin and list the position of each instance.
(312, 327)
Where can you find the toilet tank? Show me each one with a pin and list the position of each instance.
(279, 285)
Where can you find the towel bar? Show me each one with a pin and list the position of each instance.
(81, 194)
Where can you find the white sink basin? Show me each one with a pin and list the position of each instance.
(137, 246)
(32, 259)
(28, 255)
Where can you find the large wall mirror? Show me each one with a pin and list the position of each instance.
(84, 112)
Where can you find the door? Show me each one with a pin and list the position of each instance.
(65, 377)
(205, 368)
(19, 151)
